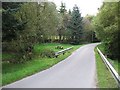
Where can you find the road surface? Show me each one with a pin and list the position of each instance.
(76, 71)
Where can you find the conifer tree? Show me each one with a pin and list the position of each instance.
(75, 25)
(63, 8)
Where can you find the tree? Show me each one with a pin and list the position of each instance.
(10, 25)
(88, 33)
(106, 28)
(37, 22)
(75, 25)
(63, 8)
(61, 27)
(70, 12)
(51, 19)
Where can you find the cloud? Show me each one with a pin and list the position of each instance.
(85, 6)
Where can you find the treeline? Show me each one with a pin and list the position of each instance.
(107, 29)
(25, 24)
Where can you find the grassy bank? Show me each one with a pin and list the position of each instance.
(104, 77)
(14, 72)
(114, 63)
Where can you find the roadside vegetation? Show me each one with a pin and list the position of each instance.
(114, 63)
(106, 26)
(25, 25)
(13, 72)
(32, 32)
(104, 77)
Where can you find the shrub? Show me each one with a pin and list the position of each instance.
(22, 51)
(59, 47)
(47, 53)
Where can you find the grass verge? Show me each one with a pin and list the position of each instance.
(104, 77)
(14, 72)
(114, 63)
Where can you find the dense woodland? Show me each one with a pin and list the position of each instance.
(107, 28)
(27, 24)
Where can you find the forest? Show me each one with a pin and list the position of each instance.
(107, 28)
(32, 32)
(27, 24)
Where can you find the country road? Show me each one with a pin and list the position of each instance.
(76, 71)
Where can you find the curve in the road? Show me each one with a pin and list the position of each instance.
(76, 71)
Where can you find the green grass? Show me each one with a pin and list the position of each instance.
(7, 56)
(114, 63)
(0, 55)
(14, 72)
(51, 46)
(104, 77)
(101, 47)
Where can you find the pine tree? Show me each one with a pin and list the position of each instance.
(63, 8)
(75, 25)
(10, 25)
(69, 11)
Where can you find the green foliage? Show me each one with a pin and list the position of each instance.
(63, 8)
(106, 28)
(115, 63)
(88, 30)
(10, 25)
(75, 26)
(12, 72)
(104, 77)
(69, 12)
(42, 20)
(26, 25)
(63, 22)
(47, 53)
(29, 23)
(59, 47)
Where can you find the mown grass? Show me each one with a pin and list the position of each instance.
(104, 77)
(115, 63)
(14, 72)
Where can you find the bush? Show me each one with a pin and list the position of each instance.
(47, 53)
(74, 43)
(22, 51)
(59, 47)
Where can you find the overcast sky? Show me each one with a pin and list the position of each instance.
(86, 6)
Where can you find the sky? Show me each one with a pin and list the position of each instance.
(86, 6)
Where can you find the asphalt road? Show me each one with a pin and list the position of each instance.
(76, 71)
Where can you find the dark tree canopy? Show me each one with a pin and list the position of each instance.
(75, 25)
(62, 8)
(9, 23)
